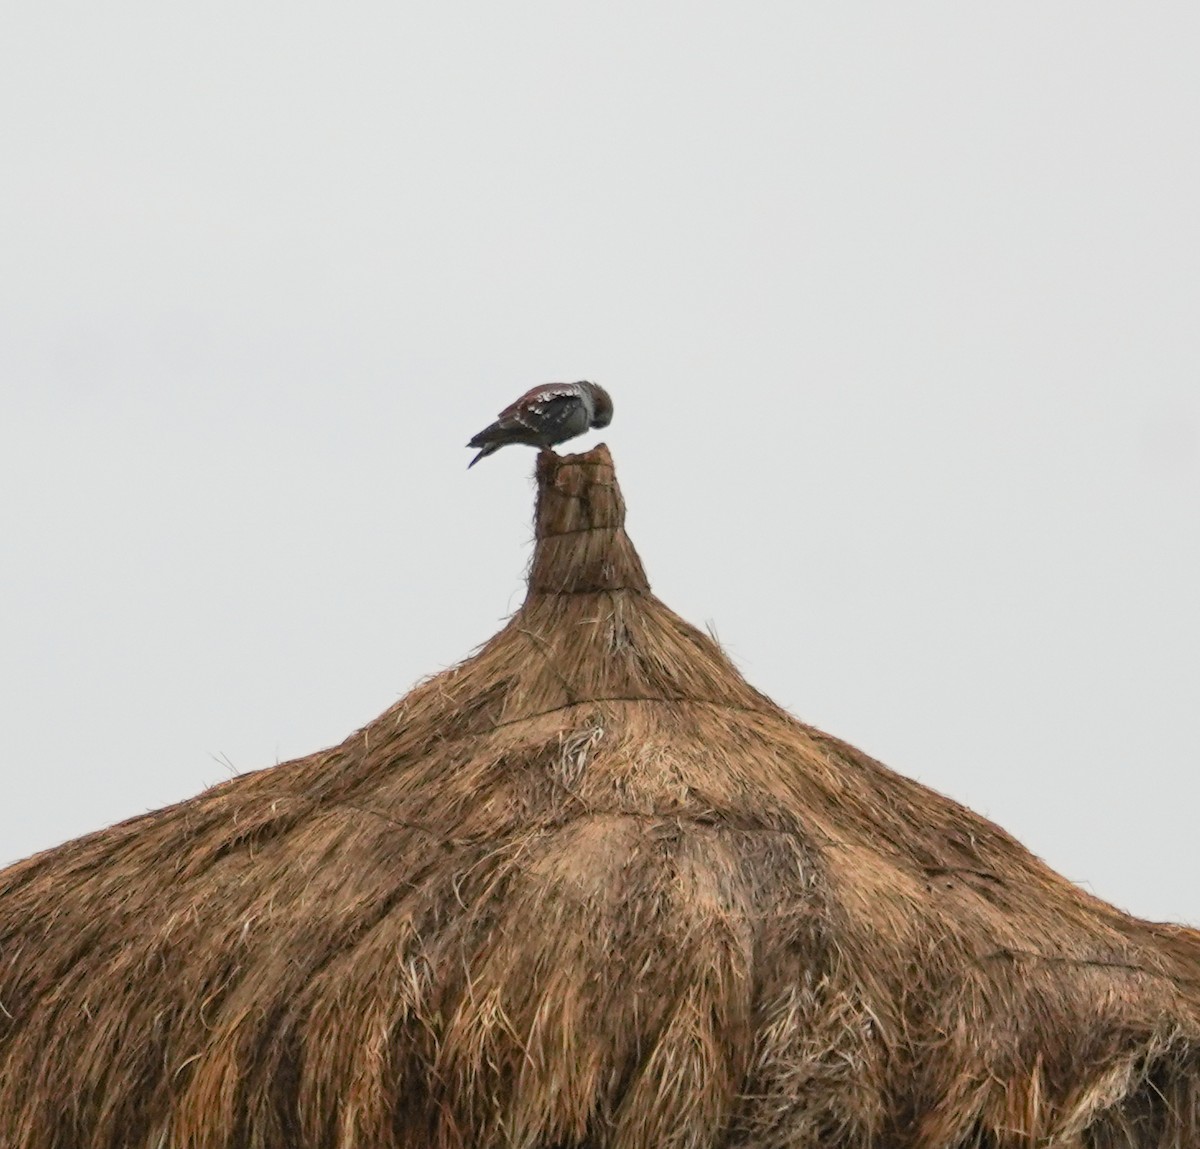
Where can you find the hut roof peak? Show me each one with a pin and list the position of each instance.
(582, 546)
(586, 888)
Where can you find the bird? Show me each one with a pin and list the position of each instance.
(545, 415)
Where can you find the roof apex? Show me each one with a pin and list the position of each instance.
(579, 495)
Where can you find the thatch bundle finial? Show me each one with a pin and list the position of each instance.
(580, 523)
(588, 889)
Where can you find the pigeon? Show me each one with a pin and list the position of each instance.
(545, 415)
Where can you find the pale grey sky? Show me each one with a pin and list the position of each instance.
(909, 293)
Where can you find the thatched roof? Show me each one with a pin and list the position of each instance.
(588, 888)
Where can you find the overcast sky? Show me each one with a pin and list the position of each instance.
(899, 306)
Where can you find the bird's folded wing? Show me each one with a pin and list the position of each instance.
(543, 412)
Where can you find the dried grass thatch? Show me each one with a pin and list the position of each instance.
(588, 888)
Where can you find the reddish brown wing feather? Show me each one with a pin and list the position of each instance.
(534, 398)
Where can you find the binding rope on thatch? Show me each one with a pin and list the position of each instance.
(588, 888)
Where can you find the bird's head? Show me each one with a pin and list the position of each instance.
(602, 407)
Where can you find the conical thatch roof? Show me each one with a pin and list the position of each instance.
(588, 888)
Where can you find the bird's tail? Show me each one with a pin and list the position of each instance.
(491, 439)
(489, 449)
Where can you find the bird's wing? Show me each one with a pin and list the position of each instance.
(542, 407)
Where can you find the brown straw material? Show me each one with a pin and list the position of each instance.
(588, 888)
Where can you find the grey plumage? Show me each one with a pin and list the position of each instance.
(546, 415)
